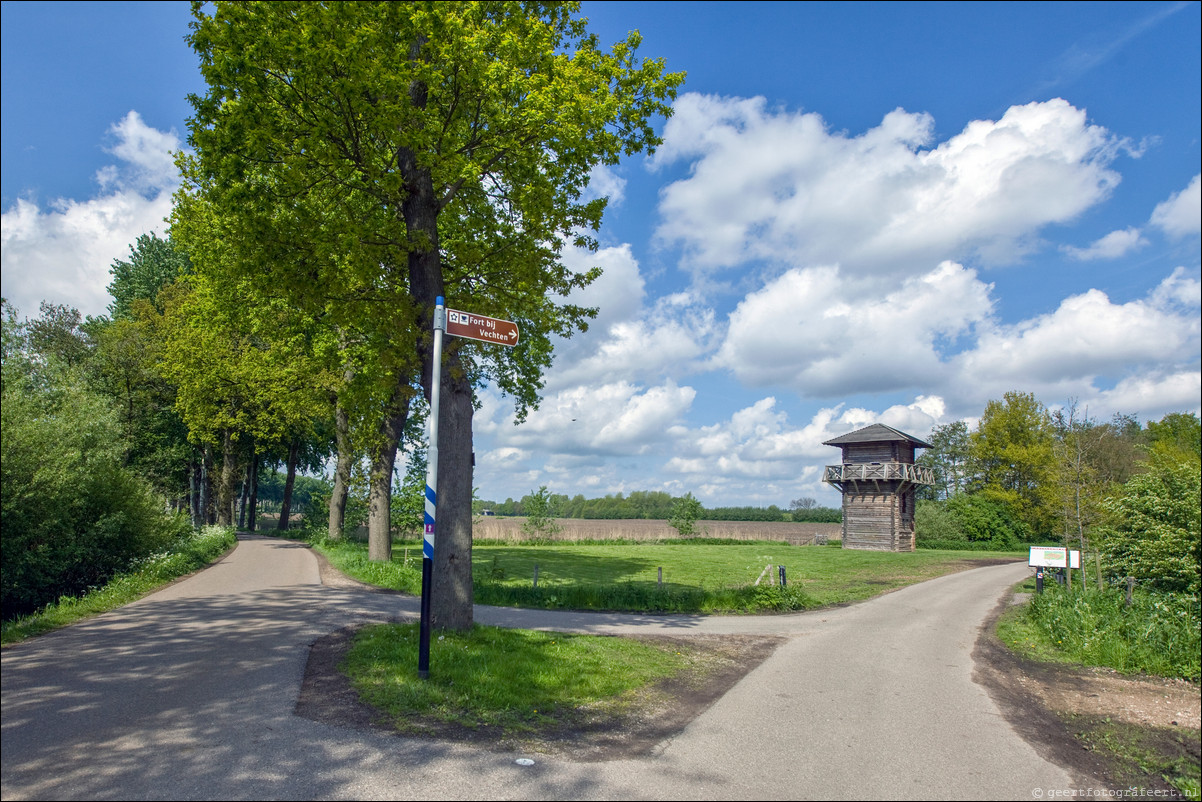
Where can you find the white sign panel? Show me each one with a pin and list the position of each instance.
(1052, 557)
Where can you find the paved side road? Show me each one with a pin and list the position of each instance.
(189, 693)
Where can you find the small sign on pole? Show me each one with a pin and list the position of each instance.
(480, 327)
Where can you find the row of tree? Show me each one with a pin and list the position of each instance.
(1030, 473)
(350, 163)
(649, 505)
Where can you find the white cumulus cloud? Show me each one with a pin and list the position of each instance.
(824, 335)
(778, 186)
(1088, 336)
(617, 418)
(629, 340)
(1112, 246)
(62, 253)
(1181, 215)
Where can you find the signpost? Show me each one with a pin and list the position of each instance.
(1042, 557)
(473, 327)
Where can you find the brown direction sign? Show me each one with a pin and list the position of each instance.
(485, 329)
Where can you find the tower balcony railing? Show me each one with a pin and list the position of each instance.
(876, 472)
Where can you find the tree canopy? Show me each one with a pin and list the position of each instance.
(359, 160)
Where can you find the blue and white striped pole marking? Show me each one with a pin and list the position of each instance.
(440, 325)
(431, 511)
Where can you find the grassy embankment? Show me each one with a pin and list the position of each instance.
(1157, 634)
(186, 555)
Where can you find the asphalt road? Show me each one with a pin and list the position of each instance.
(189, 694)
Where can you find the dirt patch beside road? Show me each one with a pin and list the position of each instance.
(1071, 714)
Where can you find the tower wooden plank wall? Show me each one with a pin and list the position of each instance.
(878, 480)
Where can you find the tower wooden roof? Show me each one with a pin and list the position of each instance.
(876, 433)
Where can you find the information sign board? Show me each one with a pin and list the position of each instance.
(1052, 557)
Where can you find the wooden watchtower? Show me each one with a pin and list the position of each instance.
(878, 479)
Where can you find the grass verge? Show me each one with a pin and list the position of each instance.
(507, 682)
(188, 555)
(1158, 633)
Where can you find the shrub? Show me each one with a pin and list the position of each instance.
(986, 520)
(933, 521)
(540, 515)
(684, 515)
(967, 522)
(72, 517)
(1159, 633)
(1156, 520)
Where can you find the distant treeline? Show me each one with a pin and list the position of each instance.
(651, 505)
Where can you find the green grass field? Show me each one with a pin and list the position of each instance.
(696, 576)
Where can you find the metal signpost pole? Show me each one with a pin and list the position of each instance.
(423, 644)
(474, 327)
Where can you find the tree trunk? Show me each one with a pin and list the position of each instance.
(383, 461)
(252, 512)
(194, 485)
(226, 495)
(244, 496)
(286, 504)
(452, 597)
(342, 472)
(206, 495)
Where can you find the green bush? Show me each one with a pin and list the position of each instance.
(72, 517)
(986, 520)
(685, 512)
(1159, 633)
(1156, 520)
(934, 522)
(189, 552)
(967, 522)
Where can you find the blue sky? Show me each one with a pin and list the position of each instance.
(861, 213)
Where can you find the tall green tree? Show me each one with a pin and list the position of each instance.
(1179, 432)
(1012, 458)
(446, 147)
(948, 456)
(59, 334)
(1077, 488)
(153, 263)
(127, 353)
